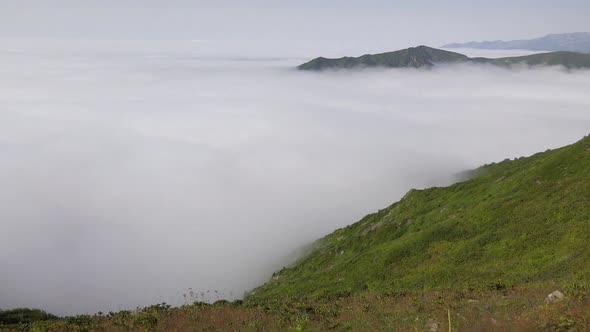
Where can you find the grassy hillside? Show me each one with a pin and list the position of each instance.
(424, 56)
(508, 310)
(416, 57)
(518, 222)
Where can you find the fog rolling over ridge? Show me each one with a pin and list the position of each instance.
(131, 174)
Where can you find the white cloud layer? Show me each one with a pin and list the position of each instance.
(129, 175)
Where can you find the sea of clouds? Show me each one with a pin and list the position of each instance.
(129, 174)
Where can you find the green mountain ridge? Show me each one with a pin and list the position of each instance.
(416, 57)
(427, 57)
(518, 222)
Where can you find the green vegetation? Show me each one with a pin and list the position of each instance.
(516, 223)
(463, 310)
(23, 316)
(567, 59)
(424, 56)
(421, 56)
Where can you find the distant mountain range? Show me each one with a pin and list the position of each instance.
(574, 42)
(424, 56)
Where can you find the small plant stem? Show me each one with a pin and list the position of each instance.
(449, 315)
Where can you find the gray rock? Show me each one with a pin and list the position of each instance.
(554, 297)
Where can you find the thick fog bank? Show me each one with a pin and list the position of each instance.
(129, 176)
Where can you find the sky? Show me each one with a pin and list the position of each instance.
(304, 27)
(151, 147)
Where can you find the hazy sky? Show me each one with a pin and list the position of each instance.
(305, 26)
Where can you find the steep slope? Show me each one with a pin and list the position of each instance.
(424, 56)
(523, 221)
(574, 42)
(416, 57)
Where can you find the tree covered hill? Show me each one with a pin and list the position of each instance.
(421, 56)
